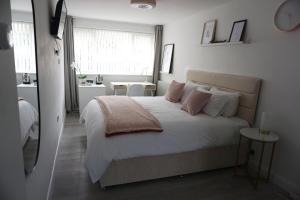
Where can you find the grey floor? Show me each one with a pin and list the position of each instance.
(71, 180)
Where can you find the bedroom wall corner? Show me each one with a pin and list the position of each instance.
(270, 55)
(52, 101)
(12, 177)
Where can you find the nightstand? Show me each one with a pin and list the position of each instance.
(29, 93)
(87, 93)
(253, 134)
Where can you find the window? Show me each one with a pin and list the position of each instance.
(113, 52)
(24, 47)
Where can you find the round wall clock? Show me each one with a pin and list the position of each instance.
(287, 17)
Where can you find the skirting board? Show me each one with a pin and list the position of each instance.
(291, 189)
(57, 147)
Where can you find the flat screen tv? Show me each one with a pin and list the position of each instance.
(58, 21)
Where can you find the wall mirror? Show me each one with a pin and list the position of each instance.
(24, 45)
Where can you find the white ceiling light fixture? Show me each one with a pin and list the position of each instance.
(143, 4)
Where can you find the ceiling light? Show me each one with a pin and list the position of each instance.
(143, 4)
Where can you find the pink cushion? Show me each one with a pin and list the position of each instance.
(195, 102)
(175, 91)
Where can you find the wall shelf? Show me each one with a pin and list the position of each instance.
(222, 44)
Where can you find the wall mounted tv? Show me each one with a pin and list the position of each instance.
(58, 21)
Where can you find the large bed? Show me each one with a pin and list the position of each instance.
(28, 120)
(187, 144)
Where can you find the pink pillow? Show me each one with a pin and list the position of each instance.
(195, 102)
(175, 91)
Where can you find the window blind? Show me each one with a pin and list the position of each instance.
(113, 52)
(24, 47)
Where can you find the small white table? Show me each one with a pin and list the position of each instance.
(29, 93)
(86, 93)
(253, 134)
(123, 85)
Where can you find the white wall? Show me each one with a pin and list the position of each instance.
(51, 83)
(271, 55)
(113, 25)
(12, 177)
(21, 16)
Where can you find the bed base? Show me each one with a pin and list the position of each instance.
(155, 167)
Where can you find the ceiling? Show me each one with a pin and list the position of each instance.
(165, 12)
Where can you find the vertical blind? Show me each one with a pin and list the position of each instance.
(24, 49)
(113, 52)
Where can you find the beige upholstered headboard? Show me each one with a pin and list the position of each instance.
(248, 87)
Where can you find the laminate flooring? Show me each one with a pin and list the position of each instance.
(71, 181)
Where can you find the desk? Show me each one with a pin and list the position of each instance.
(123, 85)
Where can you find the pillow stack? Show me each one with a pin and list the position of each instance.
(215, 104)
(195, 102)
(190, 87)
(196, 98)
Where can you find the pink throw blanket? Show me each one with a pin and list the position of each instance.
(124, 115)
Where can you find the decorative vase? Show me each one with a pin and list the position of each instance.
(265, 123)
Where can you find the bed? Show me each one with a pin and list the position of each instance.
(188, 143)
(28, 120)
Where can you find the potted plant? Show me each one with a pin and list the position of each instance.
(81, 77)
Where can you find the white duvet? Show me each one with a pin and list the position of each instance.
(182, 132)
(28, 120)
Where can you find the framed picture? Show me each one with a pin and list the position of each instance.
(167, 58)
(238, 31)
(208, 34)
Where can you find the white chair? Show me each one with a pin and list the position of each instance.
(135, 90)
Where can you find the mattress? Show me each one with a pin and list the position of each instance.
(28, 121)
(182, 133)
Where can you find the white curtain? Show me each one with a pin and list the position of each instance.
(113, 52)
(24, 52)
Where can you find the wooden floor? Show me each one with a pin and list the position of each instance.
(71, 181)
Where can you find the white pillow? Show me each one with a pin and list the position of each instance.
(190, 87)
(216, 104)
(232, 105)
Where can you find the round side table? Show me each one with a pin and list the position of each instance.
(253, 134)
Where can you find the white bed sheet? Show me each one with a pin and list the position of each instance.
(28, 120)
(182, 133)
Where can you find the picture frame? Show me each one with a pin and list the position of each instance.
(208, 34)
(167, 60)
(238, 31)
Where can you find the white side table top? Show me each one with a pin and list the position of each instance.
(92, 86)
(27, 85)
(254, 134)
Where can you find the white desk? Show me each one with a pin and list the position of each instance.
(123, 85)
(86, 93)
(29, 93)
